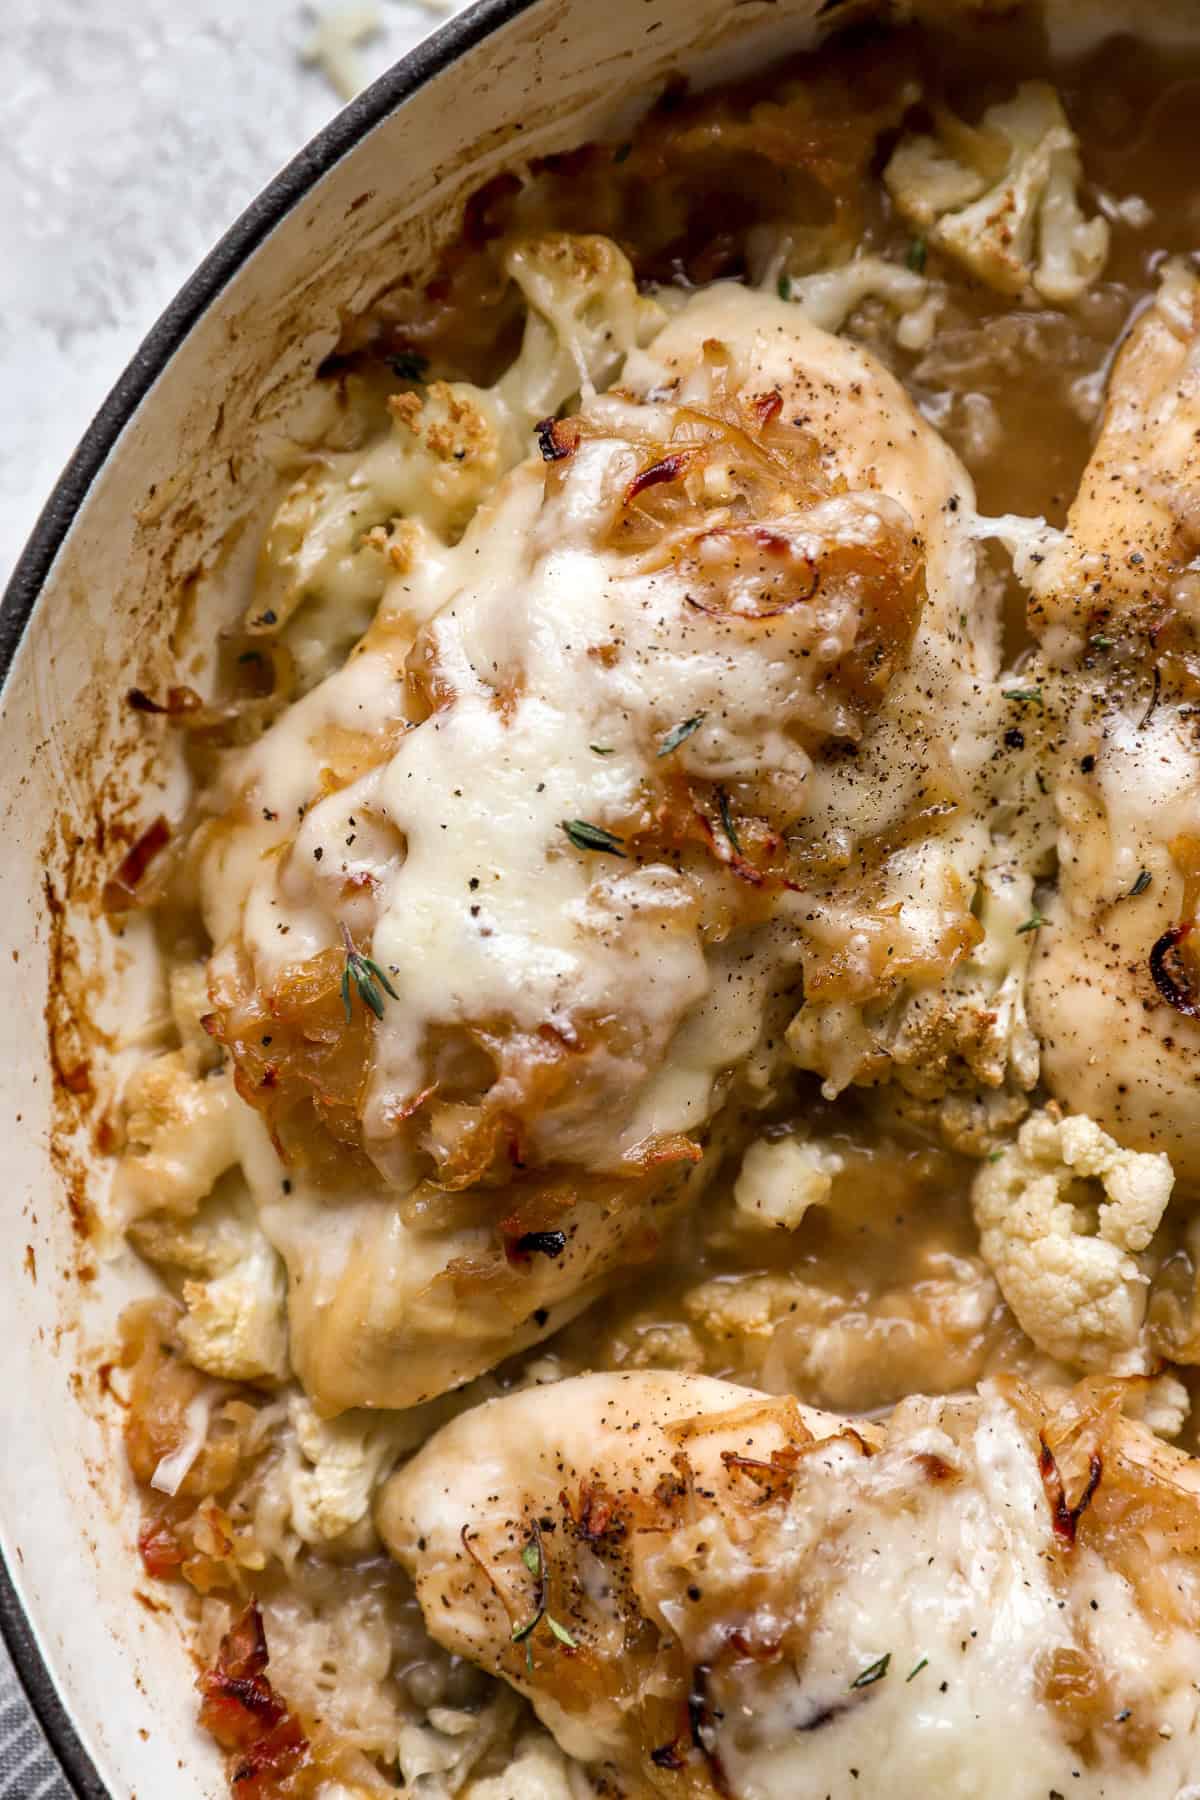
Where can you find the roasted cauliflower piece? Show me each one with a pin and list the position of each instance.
(340, 1464)
(941, 1329)
(704, 1590)
(180, 1137)
(1074, 1283)
(1001, 198)
(780, 1178)
(235, 1325)
(356, 519)
(830, 296)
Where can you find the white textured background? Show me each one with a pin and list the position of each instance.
(132, 132)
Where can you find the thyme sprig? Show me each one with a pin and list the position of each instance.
(1033, 694)
(679, 734)
(586, 836)
(727, 824)
(1141, 884)
(873, 1672)
(533, 1555)
(1034, 922)
(367, 977)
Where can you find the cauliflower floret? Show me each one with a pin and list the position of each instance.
(335, 538)
(344, 1460)
(854, 1351)
(181, 1137)
(1002, 199)
(829, 297)
(746, 1308)
(585, 316)
(781, 1178)
(645, 1342)
(211, 1241)
(979, 1012)
(188, 987)
(1163, 1406)
(235, 1325)
(437, 1756)
(966, 1033)
(538, 1771)
(1080, 1297)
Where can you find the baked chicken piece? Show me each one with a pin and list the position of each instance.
(708, 1591)
(510, 910)
(1114, 991)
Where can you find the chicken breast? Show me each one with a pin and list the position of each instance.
(708, 1591)
(1115, 989)
(681, 734)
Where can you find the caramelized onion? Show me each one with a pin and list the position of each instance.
(120, 890)
(1176, 988)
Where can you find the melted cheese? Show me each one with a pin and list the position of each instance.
(937, 1553)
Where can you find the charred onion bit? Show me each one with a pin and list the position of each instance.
(120, 890)
(1174, 984)
(1066, 1518)
(667, 468)
(535, 1243)
(557, 439)
(596, 1516)
(244, 1713)
(159, 1548)
(141, 702)
(179, 701)
(776, 1478)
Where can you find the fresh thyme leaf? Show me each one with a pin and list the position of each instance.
(727, 825)
(783, 287)
(1033, 923)
(923, 1664)
(681, 733)
(601, 749)
(918, 250)
(1034, 694)
(1100, 642)
(585, 836)
(533, 1555)
(1141, 884)
(408, 365)
(873, 1673)
(367, 977)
